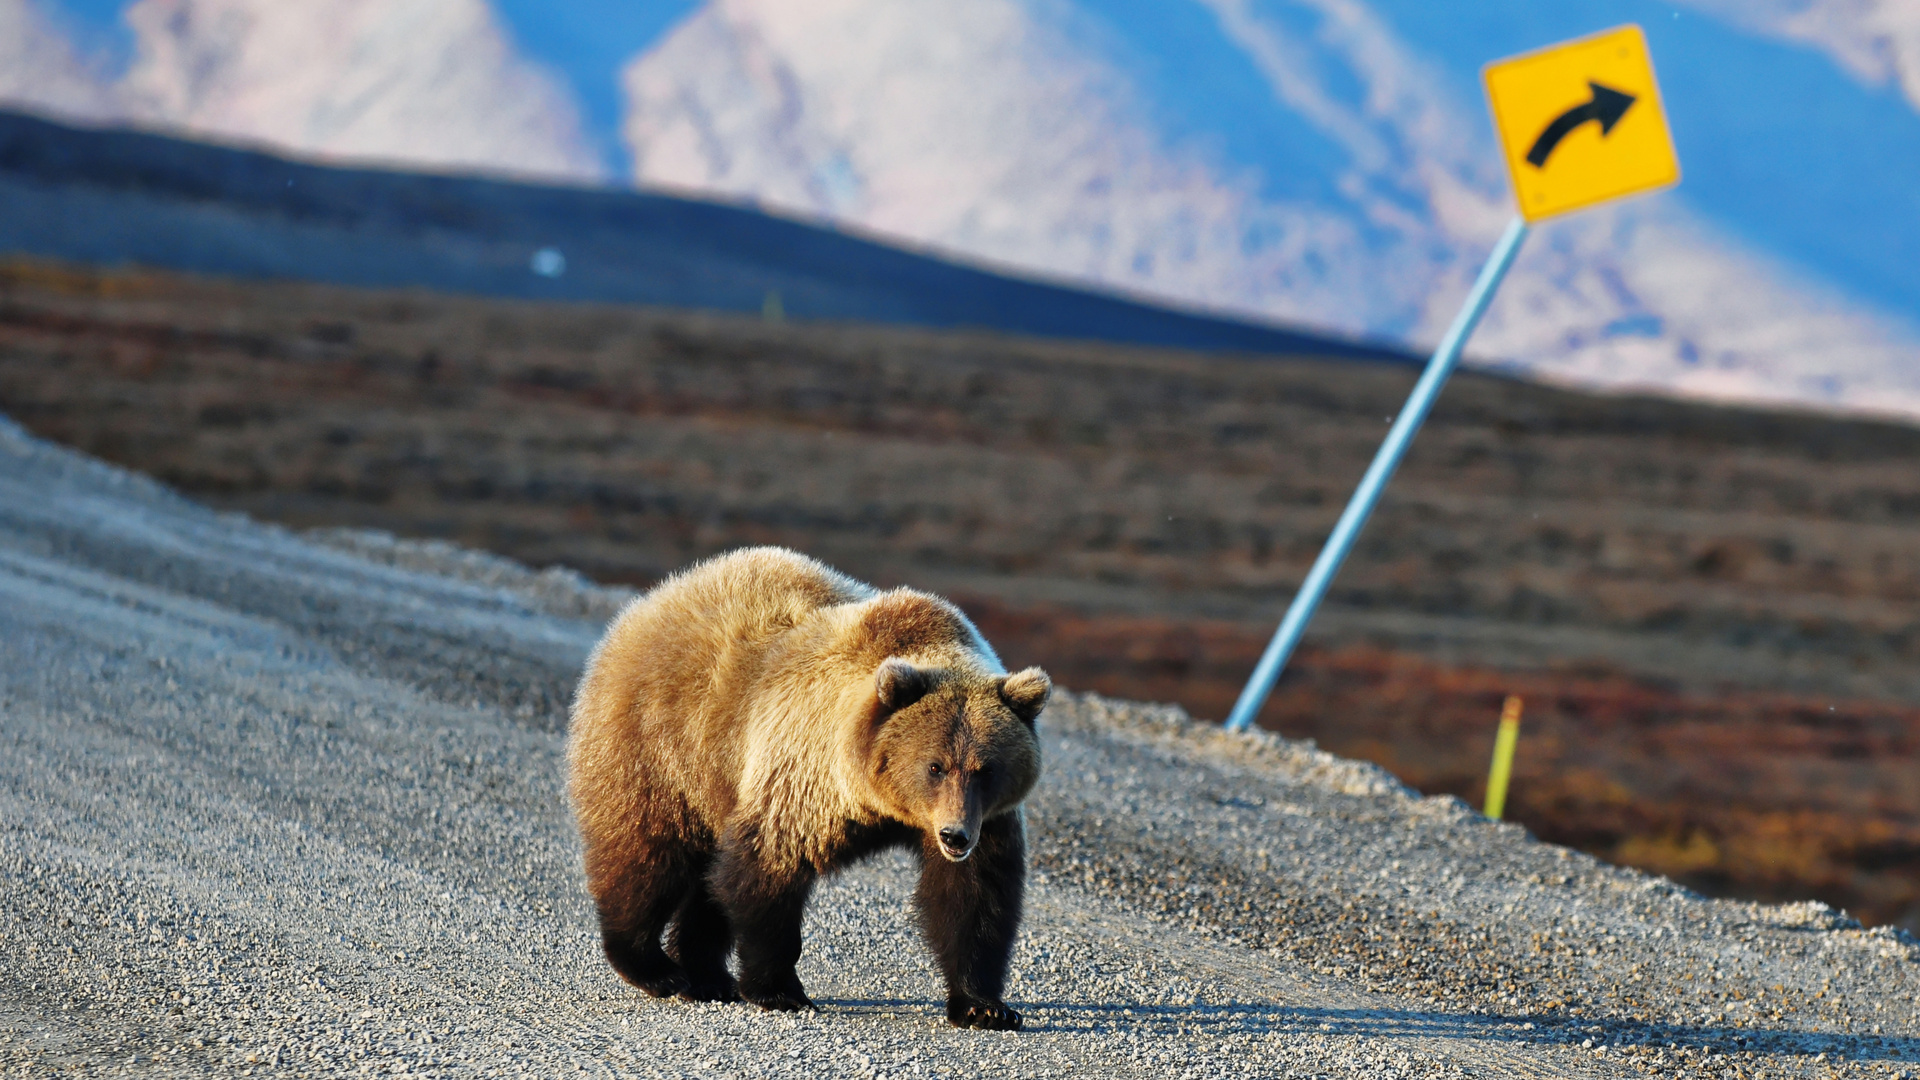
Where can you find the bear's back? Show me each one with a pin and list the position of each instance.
(740, 601)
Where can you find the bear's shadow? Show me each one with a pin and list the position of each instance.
(1237, 1018)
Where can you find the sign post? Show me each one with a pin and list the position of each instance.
(1581, 123)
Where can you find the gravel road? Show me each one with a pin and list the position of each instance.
(290, 805)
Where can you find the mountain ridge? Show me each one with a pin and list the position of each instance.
(112, 196)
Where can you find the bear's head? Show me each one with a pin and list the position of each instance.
(953, 745)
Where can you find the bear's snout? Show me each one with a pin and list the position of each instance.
(955, 844)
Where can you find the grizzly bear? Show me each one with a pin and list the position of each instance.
(758, 721)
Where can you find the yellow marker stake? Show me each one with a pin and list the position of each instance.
(1502, 769)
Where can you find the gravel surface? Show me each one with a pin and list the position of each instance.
(293, 805)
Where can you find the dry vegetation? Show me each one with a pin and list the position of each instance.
(1711, 611)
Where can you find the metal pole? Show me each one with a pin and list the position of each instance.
(1399, 437)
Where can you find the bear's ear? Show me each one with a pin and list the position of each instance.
(900, 684)
(1025, 692)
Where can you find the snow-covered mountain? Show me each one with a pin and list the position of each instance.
(984, 131)
(1012, 132)
(420, 83)
(1325, 162)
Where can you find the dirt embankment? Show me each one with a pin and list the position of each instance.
(1711, 611)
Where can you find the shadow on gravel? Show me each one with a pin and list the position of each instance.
(884, 1006)
(1230, 1019)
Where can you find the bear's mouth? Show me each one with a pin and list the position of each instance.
(955, 854)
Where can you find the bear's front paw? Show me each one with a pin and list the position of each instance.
(986, 1015)
(782, 995)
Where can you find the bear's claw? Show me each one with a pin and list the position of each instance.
(988, 1016)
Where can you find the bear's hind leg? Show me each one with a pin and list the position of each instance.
(700, 940)
(765, 910)
(970, 912)
(635, 905)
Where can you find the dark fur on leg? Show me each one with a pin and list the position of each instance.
(636, 894)
(970, 912)
(700, 940)
(639, 960)
(765, 911)
(633, 913)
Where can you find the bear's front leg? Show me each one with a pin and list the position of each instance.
(764, 907)
(970, 911)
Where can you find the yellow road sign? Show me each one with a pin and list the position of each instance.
(1581, 123)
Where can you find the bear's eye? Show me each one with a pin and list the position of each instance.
(935, 770)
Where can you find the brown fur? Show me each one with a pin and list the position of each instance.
(759, 720)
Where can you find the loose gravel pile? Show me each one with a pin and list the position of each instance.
(285, 805)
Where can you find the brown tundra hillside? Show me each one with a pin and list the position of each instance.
(1712, 612)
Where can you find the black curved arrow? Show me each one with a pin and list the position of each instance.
(1608, 106)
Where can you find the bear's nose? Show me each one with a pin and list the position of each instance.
(953, 838)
